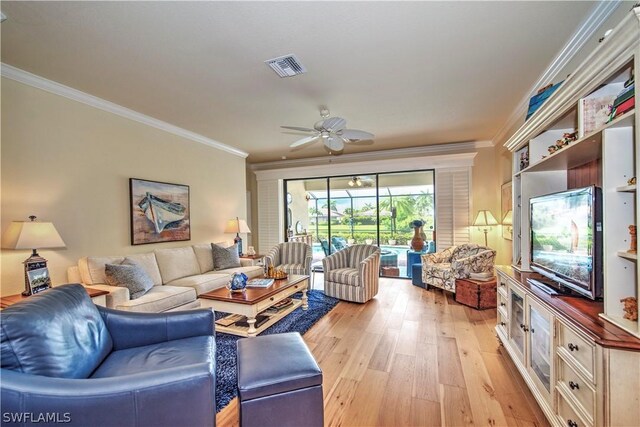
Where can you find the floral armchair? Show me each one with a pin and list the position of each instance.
(441, 269)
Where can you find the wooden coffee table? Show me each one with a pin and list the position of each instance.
(255, 300)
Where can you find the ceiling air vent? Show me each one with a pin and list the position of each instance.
(286, 66)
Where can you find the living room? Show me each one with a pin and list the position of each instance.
(96, 96)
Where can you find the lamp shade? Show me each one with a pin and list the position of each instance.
(484, 218)
(31, 235)
(237, 226)
(508, 218)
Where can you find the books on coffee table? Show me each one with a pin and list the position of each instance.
(260, 320)
(230, 320)
(259, 283)
(279, 306)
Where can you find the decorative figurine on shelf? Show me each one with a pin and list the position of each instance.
(251, 251)
(566, 139)
(524, 159)
(630, 308)
(634, 241)
(631, 181)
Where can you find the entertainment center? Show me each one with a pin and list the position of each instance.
(574, 200)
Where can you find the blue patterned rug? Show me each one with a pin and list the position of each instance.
(296, 321)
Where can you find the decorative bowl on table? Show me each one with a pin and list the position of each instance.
(238, 282)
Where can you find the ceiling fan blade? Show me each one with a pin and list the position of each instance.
(301, 129)
(303, 141)
(334, 124)
(334, 143)
(355, 134)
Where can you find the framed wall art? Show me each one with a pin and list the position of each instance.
(159, 212)
(506, 212)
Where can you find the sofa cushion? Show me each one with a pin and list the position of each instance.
(204, 255)
(250, 270)
(92, 268)
(155, 357)
(224, 258)
(203, 283)
(149, 264)
(61, 345)
(347, 276)
(128, 275)
(175, 263)
(159, 299)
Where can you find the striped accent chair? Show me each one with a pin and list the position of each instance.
(352, 273)
(292, 257)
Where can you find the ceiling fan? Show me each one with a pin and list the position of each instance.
(332, 131)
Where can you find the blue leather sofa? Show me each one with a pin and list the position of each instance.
(65, 360)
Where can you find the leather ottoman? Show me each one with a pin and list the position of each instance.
(279, 382)
(476, 294)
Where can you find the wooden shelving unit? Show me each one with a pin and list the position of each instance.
(607, 157)
(627, 255)
(627, 188)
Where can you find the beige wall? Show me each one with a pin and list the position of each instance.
(70, 164)
(488, 175)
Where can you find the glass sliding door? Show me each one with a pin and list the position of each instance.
(332, 213)
(307, 214)
(354, 210)
(405, 197)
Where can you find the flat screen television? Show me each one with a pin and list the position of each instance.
(566, 240)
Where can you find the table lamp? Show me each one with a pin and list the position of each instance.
(508, 221)
(237, 226)
(33, 235)
(484, 220)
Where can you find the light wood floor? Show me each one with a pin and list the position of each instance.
(412, 357)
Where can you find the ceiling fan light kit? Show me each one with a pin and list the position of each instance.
(332, 131)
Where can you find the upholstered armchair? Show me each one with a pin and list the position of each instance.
(441, 269)
(292, 257)
(64, 357)
(352, 273)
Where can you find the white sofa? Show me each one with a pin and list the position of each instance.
(179, 276)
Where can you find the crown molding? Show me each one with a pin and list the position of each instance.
(400, 153)
(38, 82)
(596, 18)
(614, 52)
(359, 167)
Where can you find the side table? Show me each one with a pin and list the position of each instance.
(256, 259)
(96, 295)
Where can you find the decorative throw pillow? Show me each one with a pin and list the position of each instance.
(225, 257)
(129, 275)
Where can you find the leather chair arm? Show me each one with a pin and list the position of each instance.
(129, 329)
(152, 398)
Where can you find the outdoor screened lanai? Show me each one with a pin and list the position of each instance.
(331, 213)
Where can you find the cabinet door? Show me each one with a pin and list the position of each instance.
(517, 321)
(539, 334)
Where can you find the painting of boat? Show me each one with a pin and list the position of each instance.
(159, 212)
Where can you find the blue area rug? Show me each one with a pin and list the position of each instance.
(296, 321)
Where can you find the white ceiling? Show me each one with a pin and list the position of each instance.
(413, 73)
